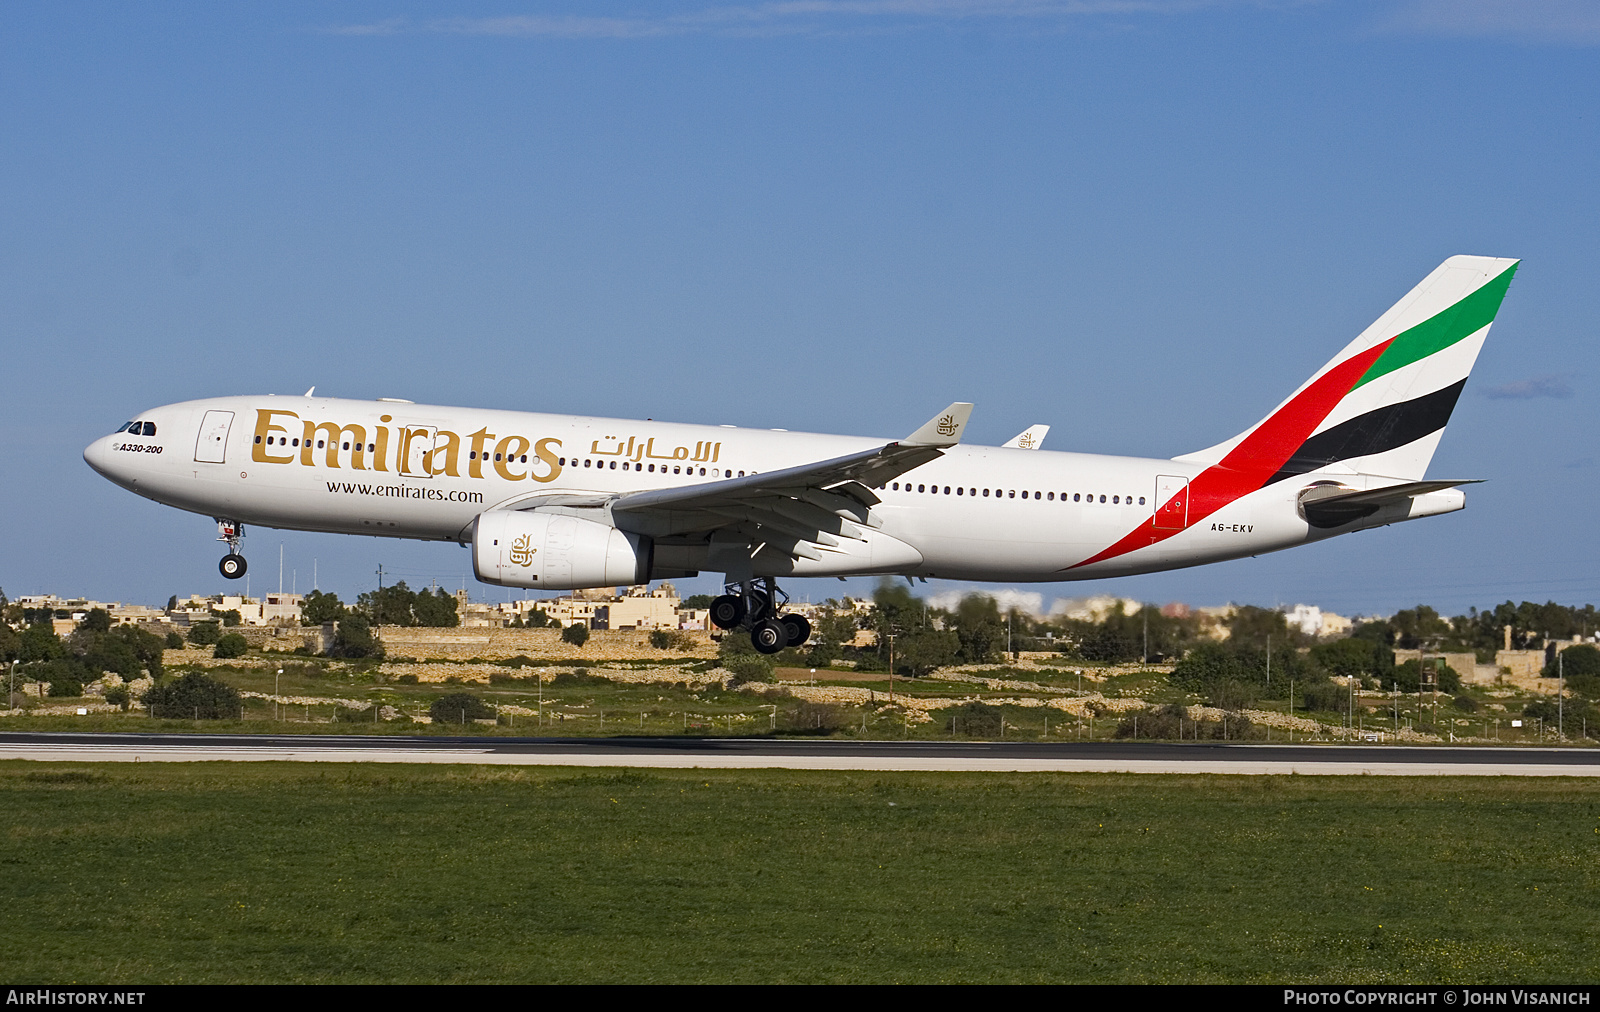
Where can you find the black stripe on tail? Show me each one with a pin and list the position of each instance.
(1377, 431)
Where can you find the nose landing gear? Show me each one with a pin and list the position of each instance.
(754, 605)
(231, 532)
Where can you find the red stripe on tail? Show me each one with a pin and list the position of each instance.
(1259, 455)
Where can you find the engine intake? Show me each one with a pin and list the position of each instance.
(547, 551)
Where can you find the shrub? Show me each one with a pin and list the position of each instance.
(193, 695)
(230, 645)
(205, 634)
(577, 634)
(407, 679)
(174, 641)
(1322, 695)
(671, 639)
(975, 720)
(750, 668)
(459, 707)
(65, 685)
(1466, 704)
(118, 695)
(579, 676)
(811, 718)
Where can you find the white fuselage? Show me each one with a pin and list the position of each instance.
(426, 472)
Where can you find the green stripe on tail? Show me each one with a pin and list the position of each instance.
(1436, 333)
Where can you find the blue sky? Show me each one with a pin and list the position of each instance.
(1142, 222)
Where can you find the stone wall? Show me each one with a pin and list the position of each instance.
(497, 644)
(286, 639)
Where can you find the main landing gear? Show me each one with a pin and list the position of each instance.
(232, 565)
(754, 605)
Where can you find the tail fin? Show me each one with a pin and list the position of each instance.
(1381, 404)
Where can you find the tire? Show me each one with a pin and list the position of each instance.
(798, 628)
(232, 566)
(769, 636)
(727, 612)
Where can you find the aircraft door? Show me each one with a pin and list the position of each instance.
(418, 451)
(211, 445)
(1172, 503)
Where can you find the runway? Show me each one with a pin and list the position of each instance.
(748, 753)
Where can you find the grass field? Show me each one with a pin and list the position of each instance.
(283, 872)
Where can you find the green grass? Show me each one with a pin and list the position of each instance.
(282, 872)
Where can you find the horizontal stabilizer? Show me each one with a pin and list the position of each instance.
(943, 429)
(1333, 505)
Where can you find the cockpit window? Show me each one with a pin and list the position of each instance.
(125, 427)
(149, 428)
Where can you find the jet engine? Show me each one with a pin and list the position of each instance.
(547, 551)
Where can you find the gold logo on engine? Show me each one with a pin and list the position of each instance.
(522, 551)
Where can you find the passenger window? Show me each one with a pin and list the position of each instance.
(1116, 499)
(319, 444)
(1051, 496)
(613, 465)
(347, 446)
(959, 491)
(523, 459)
(922, 488)
(258, 438)
(676, 470)
(1141, 500)
(986, 493)
(586, 463)
(1013, 494)
(741, 474)
(896, 486)
(1102, 498)
(702, 472)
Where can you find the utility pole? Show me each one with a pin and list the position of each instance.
(1269, 661)
(1144, 613)
(280, 569)
(375, 611)
(1561, 695)
(891, 668)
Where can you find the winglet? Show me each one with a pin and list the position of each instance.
(1030, 438)
(943, 429)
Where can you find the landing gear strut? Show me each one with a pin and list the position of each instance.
(232, 565)
(755, 605)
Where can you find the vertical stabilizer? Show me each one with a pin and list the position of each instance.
(1381, 404)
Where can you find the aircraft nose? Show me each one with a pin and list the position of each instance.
(98, 455)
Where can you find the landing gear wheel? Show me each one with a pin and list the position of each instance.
(727, 612)
(232, 566)
(769, 636)
(798, 628)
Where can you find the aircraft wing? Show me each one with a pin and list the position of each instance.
(1030, 438)
(802, 510)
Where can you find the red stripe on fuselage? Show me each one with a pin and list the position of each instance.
(1258, 456)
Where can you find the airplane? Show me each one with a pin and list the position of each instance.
(561, 502)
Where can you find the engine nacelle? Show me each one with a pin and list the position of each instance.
(547, 551)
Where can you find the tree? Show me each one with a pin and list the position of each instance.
(980, 629)
(1353, 657)
(458, 708)
(318, 608)
(97, 620)
(194, 696)
(354, 638)
(1581, 665)
(923, 652)
(230, 618)
(577, 634)
(172, 604)
(698, 601)
(205, 634)
(1250, 626)
(230, 645)
(39, 642)
(174, 641)
(10, 643)
(1408, 676)
(436, 609)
